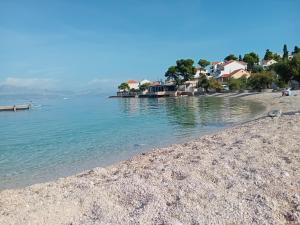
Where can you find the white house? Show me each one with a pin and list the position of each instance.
(228, 67)
(133, 84)
(200, 71)
(214, 66)
(145, 82)
(267, 63)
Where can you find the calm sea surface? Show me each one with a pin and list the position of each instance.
(60, 137)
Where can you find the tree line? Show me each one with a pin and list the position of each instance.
(280, 73)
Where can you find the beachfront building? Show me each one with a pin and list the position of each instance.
(133, 84)
(235, 75)
(266, 63)
(227, 67)
(159, 89)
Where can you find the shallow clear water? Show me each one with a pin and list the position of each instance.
(60, 137)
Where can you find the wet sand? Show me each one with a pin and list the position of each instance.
(247, 174)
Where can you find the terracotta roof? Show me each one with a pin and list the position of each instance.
(215, 63)
(231, 74)
(226, 75)
(231, 61)
(131, 82)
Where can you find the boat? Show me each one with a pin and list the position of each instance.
(15, 107)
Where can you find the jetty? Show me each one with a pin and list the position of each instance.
(15, 107)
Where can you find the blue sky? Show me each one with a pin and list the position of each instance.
(83, 44)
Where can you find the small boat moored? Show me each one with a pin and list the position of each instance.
(15, 107)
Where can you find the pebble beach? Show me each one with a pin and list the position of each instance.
(246, 174)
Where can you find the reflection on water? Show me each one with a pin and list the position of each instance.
(66, 137)
(190, 112)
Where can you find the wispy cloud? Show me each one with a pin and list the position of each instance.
(35, 83)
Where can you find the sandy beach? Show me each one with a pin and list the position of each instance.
(247, 174)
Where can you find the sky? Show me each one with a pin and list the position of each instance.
(77, 44)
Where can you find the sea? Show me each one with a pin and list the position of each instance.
(61, 136)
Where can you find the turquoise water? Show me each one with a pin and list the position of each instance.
(60, 137)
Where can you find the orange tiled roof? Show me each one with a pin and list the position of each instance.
(131, 82)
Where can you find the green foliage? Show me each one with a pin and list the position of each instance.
(144, 87)
(203, 82)
(183, 71)
(243, 82)
(280, 83)
(215, 84)
(203, 63)
(296, 50)
(257, 69)
(186, 69)
(234, 84)
(289, 70)
(251, 59)
(240, 58)
(172, 74)
(230, 57)
(259, 81)
(268, 55)
(285, 55)
(238, 84)
(124, 87)
(276, 57)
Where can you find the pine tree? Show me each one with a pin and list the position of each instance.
(296, 50)
(285, 53)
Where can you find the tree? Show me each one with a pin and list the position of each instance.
(183, 71)
(296, 50)
(203, 63)
(144, 86)
(276, 57)
(259, 81)
(289, 70)
(186, 69)
(251, 59)
(124, 87)
(203, 82)
(257, 69)
(285, 55)
(268, 55)
(172, 74)
(230, 57)
(240, 58)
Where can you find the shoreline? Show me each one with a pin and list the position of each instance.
(203, 180)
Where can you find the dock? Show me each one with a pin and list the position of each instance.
(15, 107)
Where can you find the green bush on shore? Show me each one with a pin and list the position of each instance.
(259, 81)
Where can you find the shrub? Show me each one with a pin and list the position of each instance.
(234, 84)
(259, 81)
(238, 84)
(214, 84)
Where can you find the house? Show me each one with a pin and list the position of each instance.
(145, 82)
(214, 66)
(200, 71)
(266, 63)
(228, 67)
(236, 74)
(133, 84)
(158, 89)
